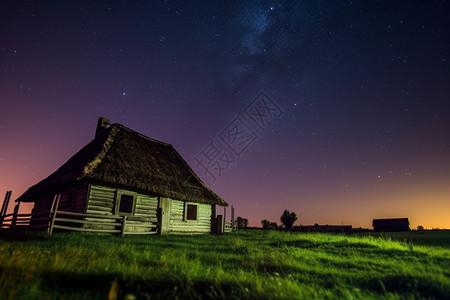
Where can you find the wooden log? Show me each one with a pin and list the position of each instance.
(213, 218)
(124, 223)
(14, 218)
(68, 213)
(96, 202)
(141, 225)
(86, 222)
(224, 217)
(86, 229)
(99, 209)
(232, 218)
(140, 232)
(5, 203)
(54, 211)
(220, 225)
(4, 207)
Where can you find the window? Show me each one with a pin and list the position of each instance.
(191, 212)
(126, 204)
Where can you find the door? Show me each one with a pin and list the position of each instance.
(164, 215)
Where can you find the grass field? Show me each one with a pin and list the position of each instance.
(243, 265)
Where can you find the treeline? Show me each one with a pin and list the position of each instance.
(287, 221)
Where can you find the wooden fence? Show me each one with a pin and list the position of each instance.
(64, 220)
(88, 222)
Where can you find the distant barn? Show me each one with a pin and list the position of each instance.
(396, 224)
(124, 173)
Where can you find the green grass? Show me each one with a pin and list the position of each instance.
(244, 265)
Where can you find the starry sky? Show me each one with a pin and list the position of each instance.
(336, 110)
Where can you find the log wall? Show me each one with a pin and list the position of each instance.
(102, 201)
(178, 224)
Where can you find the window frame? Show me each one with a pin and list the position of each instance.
(119, 195)
(186, 205)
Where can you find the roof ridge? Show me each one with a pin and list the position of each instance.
(140, 134)
(92, 165)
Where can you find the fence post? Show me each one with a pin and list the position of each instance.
(213, 218)
(232, 218)
(53, 212)
(4, 207)
(16, 211)
(124, 222)
(220, 224)
(224, 218)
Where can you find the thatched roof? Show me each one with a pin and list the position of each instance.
(126, 158)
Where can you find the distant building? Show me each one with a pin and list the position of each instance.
(397, 224)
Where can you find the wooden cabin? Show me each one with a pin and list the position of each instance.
(124, 173)
(396, 224)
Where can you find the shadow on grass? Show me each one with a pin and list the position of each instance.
(181, 288)
(11, 235)
(71, 285)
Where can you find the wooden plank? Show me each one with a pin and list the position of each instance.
(146, 209)
(232, 218)
(86, 222)
(146, 203)
(101, 203)
(140, 232)
(141, 225)
(124, 223)
(165, 205)
(100, 213)
(86, 229)
(143, 219)
(5, 204)
(99, 208)
(16, 211)
(66, 213)
(54, 211)
(24, 215)
(153, 215)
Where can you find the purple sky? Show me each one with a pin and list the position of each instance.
(356, 112)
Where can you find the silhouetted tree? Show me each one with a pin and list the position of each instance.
(288, 219)
(273, 225)
(241, 222)
(265, 224)
(420, 227)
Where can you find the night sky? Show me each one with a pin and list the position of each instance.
(336, 110)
